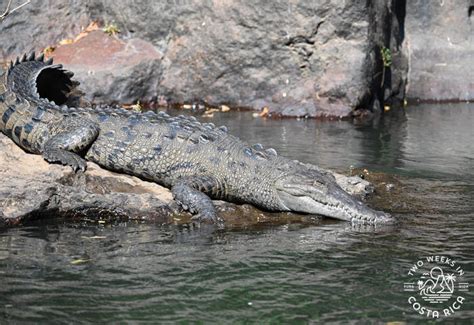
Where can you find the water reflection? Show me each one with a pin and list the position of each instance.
(425, 140)
(59, 271)
(440, 140)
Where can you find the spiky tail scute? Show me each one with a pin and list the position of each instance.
(32, 76)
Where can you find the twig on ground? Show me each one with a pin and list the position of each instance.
(8, 11)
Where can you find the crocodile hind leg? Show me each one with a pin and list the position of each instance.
(190, 194)
(71, 137)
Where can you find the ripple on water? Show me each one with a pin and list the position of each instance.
(329, 272)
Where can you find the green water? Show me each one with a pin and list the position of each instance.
(61, 272)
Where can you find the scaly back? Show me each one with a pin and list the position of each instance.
(29, 94)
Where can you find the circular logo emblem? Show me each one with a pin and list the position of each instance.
(437, 286)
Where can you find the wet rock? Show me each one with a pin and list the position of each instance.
(31, 188)
(305, 58)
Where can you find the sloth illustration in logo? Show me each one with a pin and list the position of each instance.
(438, 284)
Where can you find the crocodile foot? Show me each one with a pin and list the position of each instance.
(65, 158)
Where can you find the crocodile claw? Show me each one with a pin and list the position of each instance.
(66, 158)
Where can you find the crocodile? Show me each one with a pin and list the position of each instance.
(197, 161)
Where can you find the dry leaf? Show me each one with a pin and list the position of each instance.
(90, 28)
(208, 114)
(79, 261)
(47, 51)
(66, 41)
(225, 108)
(265, 111)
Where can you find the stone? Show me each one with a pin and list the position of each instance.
(32, 188)
(304, 58)
(439, 40)
(121, 71)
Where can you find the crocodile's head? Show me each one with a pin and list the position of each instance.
(316, 192)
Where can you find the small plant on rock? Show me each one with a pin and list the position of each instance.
(111, 29)
(386, 60)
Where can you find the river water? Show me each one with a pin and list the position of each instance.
(60, 271)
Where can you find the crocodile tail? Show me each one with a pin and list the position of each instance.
(34, 78)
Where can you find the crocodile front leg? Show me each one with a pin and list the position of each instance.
(190, 194)
(71, 137)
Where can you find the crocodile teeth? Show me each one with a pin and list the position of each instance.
(23, 58)
(49, 61)
(17, 61)
(260, 155)
(11, 64)
(40, 57)
(271, 152)
(31, 57)
(257, 147)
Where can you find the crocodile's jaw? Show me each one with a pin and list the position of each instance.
(324, 197)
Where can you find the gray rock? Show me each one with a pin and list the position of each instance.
(31, 189)
(440, 44)
(304, 58)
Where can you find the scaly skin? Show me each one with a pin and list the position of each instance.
(198, 161)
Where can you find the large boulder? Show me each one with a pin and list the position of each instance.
(299, 58)
(122, 71)
(439, 41)
(31, 188)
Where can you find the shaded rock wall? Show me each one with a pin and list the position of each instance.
(312, 58)
(440, 46)
(387, 31)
